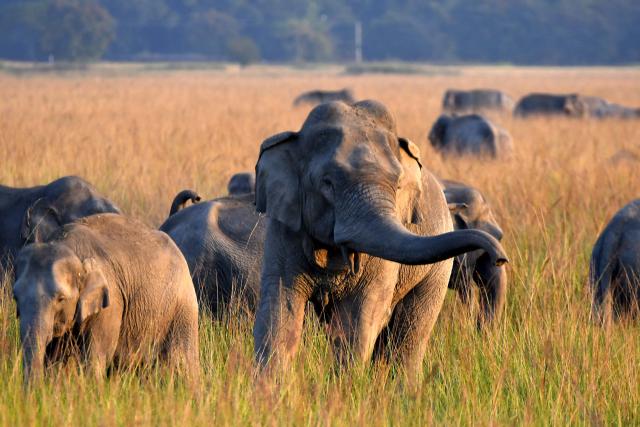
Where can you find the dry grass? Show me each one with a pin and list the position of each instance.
(141, 138)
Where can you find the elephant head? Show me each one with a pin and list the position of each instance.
(54, 292)
(346, 180)
(438, 130)
(470, 210)
(241, 183)
(63, 201)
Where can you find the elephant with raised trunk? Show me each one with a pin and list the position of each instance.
(71, 197)
(470, 210)
(615, 267)
(109, 290)
(357, 226)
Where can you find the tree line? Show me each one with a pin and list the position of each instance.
(541, 32)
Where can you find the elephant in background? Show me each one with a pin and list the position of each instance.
(356, 225)
(222, 241)
(315, 97)
(241, 183)
(572, 105)
(614, 274)
(469, 135)
(20, 208)
(475, 101)
(112, 288)
(470, 210)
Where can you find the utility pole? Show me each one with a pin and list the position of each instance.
(358, 41)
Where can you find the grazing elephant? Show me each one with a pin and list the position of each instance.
(572, 105)
(117, 289)
(72, 198)
(469, 209)
(469, 135)
(222, 241)
(358, 227)
(615, 267)
(315, 97)
(241, 183)
(475, 101)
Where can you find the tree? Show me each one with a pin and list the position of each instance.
(75, 30)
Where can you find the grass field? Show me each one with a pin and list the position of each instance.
(142, 137)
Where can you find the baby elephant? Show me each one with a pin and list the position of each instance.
(110, 290)
(615, 267)
(469, 209)
(469, 135)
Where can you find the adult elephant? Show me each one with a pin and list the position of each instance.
(359, 228)
(69, 198)
(475, 101)
(572, 105)
(471, 134)
(471, 210)
(223, 242)
(615, 267)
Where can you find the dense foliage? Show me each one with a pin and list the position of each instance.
(516, 31)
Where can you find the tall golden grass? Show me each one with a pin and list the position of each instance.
(140, 138)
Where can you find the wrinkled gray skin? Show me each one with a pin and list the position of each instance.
(469, 135)
(572, 105)
(118, 290)
(241, 183)
(71, 197)
(615, 267)
(356, 226)
(470, 209)
(223, 242)
(475, 101)
(315, 97)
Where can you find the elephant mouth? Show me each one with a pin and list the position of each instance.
(351, 259)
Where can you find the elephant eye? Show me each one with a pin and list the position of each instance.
(60, 298)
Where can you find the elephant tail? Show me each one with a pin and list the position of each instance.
(600, 273)
(181, 199)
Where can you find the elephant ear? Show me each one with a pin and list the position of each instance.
(40, 221)
(94, 297)
(410, 160)
(277, 182)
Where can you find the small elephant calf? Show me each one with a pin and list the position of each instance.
(108, 286)
(470, 210)
(615, 267)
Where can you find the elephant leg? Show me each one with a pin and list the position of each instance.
(413, 320)
(278, 325)
(357, 320)
(181, 352)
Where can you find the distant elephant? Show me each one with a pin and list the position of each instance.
(475, 101)
(118, 290)
(549, 104)
(72, 198)
(357, 226)
(615, 267)
(470, 209)
(222, 241)
(315, 97)
(241, 183)
(469, 135)
(572, 105)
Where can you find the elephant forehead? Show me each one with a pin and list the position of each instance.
(366, 113)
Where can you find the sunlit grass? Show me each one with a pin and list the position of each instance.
(143, 138)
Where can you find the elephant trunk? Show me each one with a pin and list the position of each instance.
(492, 284)
(383, 236)
(34, 341)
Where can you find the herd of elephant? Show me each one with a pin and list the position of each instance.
(340, 217)
(462, 129)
